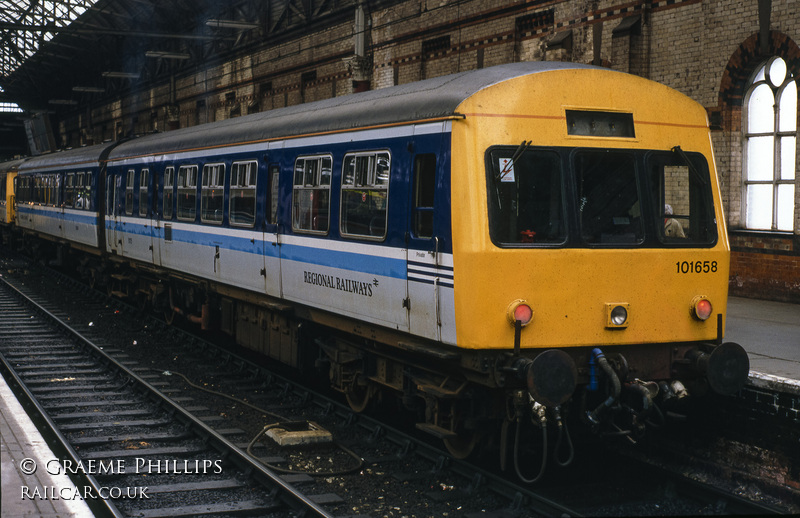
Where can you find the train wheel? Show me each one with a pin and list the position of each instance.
(169, 315)
(462, 446)
(93, 280)
(359, 396)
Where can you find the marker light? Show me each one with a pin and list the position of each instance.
(701, 308)
(520, 310)
(617, 315)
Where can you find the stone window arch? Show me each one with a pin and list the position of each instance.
(769, 132)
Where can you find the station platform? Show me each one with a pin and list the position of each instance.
(38, 494)
(770, 333)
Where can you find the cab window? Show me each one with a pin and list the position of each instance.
(608, 197)
(424, 194)
(526, 206)
(682, 198)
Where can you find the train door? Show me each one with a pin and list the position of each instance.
(272, 236)
(57, 201)
(114, 190)
(162, 209)
(424, 256)
(148, 191)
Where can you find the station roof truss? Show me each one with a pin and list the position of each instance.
(59, 54)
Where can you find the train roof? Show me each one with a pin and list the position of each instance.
(87, 156)
(434, 98)
(11, 165)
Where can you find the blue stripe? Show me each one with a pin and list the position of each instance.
(364, 263)
(411, 264)
(89, 219)
(426, 273)
(431, 282)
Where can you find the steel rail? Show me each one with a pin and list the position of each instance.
(287, 493)
(57, 442)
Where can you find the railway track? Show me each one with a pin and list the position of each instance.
(368, 469)
(387, 456)
(123, 437)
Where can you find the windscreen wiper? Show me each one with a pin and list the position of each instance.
(518, 153)
(699, 177)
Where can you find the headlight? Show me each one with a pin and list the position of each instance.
(617, 315)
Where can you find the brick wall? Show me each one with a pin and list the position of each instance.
(706, 49)
(765, 266)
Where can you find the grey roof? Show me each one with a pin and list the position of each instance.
(82, 156)
(417, 101)
(11, 165)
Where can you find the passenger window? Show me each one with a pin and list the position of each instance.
(169, 182)
(187, 192)
(608, 198)
(526, 205)
(110, 194)
(80, 193)
(56, 185)
(129, 192)
(212, 193)
(85, 194)
(144, 191)
(424, 191)
(51, 189)
(243, 193)
(274, 175)
(311, 194)
(69, 190)
(365, 188)
(682, 198)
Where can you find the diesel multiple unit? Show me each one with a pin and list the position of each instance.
(502, 249)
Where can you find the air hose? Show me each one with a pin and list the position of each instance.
(600, 359)
(543, 424)
(563, 432)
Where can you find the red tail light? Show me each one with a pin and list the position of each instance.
(702, 308)
(520, 310)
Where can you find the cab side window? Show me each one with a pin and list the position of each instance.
(424, 190)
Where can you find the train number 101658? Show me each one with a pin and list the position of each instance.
(696, 266)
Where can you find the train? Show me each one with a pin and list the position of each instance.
(501, 251)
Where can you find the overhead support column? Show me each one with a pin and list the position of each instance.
(359, 65)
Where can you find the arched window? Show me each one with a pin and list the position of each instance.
(769, 148)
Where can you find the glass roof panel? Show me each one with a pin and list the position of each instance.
(28, 23)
